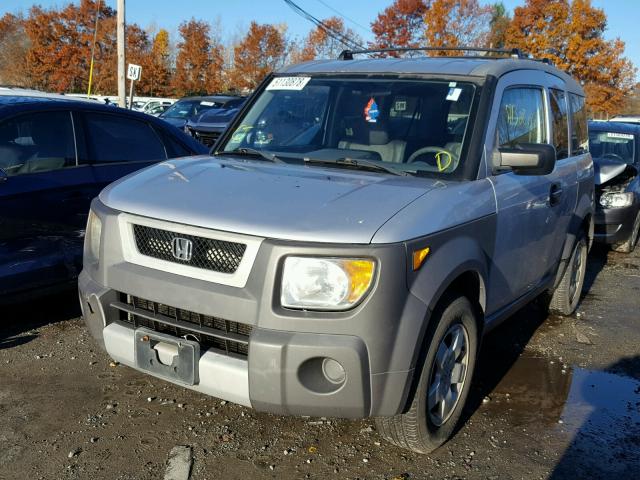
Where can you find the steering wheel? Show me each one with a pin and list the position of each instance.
(613, 156)
(446, 159)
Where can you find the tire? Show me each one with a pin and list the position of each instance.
(566, 296)
(422, 429)
(630, 244)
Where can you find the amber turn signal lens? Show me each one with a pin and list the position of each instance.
(419, 257)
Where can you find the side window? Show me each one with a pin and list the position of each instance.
(580, 133)
(37, 142)
(522, 117)
(174, 147)
(114, 138)
(559, 115)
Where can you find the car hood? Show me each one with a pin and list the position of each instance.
(176, 122)
(606, 170)
(254, 197)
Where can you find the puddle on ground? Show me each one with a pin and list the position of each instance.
(596, 411)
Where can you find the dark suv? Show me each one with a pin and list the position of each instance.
(55, 156)
(209, 126)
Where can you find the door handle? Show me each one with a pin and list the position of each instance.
(555, 194)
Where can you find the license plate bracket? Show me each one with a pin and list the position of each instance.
(167, 356)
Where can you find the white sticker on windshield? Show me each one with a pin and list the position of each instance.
(454, 94)
(626, 136)
(288, 83)
(207, 104)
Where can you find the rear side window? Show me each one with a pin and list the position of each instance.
(115, 138)
(522, 117)
(37, 142)
(580, 133)
(559, 115)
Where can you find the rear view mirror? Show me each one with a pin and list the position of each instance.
(529, 158)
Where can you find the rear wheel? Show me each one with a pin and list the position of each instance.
(566, 296)
(444, 382)
(630, 244)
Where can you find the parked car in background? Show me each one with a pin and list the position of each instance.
(210, 125)
(615, 148)
(56, 154)
(359, 228)
(626, 119)
(189, 108)
(151, 104)
(157, 110)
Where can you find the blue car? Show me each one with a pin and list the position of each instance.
(55, 157)
(209, 126)
(190, 108)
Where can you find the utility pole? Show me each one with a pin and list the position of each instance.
(122, 88)
(93, 49)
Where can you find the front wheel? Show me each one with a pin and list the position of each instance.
(444, 383)
(566, 296)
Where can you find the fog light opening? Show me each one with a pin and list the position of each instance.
(333, 371)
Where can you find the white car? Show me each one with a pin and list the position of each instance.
(626, 119)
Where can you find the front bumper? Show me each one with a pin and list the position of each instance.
(280, 374)
(613, 225)
(375, 343)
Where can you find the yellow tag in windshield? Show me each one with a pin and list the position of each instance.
(442, 167)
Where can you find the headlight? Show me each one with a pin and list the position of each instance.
(325, 283)
(616, 200)
(93, 233)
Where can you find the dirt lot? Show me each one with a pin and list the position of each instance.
(553, 398)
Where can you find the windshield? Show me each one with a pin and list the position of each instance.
(408, 125)
(612, 146)
(189, 108)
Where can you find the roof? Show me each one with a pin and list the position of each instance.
(615, 127)
(26, 92)
(446, 66)
(10, 103)
(211, 98)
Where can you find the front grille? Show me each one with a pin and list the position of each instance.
(207, 138)
(211, 332)
(206, 253)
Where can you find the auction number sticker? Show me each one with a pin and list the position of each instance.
(626, 136)
(288, 83)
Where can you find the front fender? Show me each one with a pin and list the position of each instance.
(453, 252)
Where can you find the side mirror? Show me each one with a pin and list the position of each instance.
(3, 176)
(529, 158)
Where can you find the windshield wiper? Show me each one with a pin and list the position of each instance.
(253, 152)
(359, 163)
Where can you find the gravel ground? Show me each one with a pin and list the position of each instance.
(555, 397)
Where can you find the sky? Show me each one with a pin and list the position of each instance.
(235, 15)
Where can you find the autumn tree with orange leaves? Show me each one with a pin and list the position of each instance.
(455, 23)
(321, 43)
(432, 23)
(158, 71)
(400, 25)
(263, 50)
(570, 33)
(13, 50)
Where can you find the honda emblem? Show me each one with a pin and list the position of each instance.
(182, 248)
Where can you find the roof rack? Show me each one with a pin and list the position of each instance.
(512, 52)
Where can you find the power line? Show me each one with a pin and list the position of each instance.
(340, 37)
(366, 29)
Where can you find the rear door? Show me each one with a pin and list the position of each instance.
(44, 200)
(117, 145)
(533, 211)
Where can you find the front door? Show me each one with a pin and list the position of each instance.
(44, 200)
(533, 211)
